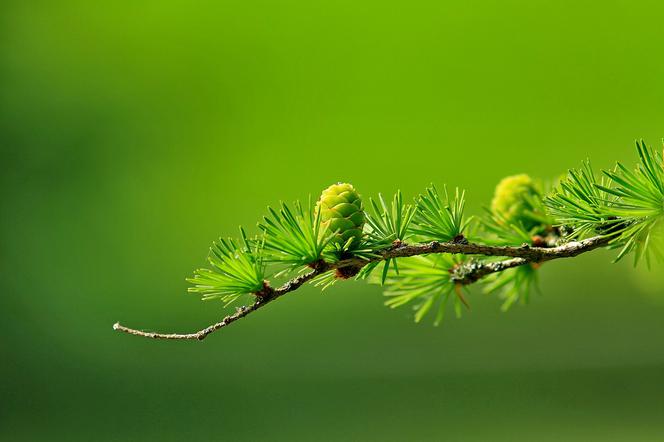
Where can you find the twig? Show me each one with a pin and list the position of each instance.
(475, 270)
(532, 254)
(466, 274)
(269, 296)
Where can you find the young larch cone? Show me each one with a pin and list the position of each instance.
(514, 198)
(342, 213)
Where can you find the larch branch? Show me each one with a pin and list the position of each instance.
(465, 274)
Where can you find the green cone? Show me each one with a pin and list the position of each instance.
(342, 212)
(514, 200)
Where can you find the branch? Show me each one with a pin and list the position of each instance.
(473, 271)
(466, 274)
(532, 254)
(268, 295)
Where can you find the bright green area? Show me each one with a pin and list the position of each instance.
(132, 134)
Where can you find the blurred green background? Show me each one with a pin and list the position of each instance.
(134, 133)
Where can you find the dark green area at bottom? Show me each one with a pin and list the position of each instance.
(607, 404)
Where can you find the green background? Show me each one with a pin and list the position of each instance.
(135, 133)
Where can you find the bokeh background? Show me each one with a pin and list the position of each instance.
(134, 133)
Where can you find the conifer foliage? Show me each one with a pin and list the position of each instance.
(427, 252)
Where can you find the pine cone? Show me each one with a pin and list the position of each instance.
(514, 199)
(342, 212)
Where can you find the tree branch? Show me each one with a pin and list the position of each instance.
(269, 295)
(475, 270)
(465, 274)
